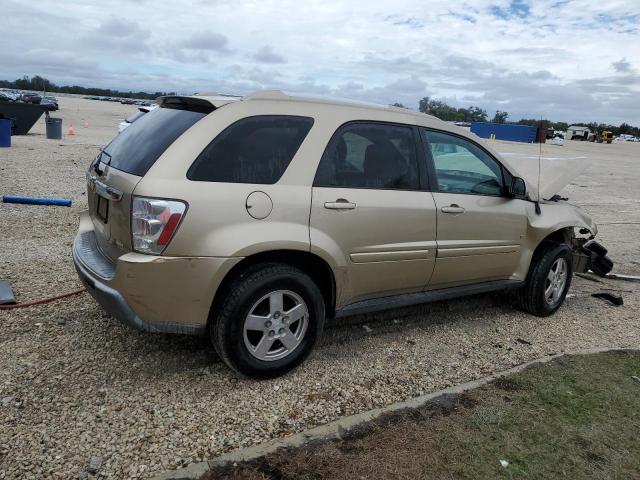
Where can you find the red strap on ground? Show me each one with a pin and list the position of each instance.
(44, 300)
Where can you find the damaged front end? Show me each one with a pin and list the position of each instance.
(590, 255)
(569, 224)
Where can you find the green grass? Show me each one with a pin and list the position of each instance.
(577, 417)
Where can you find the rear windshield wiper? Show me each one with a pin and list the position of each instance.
(96, 164)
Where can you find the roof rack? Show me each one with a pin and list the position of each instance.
(280, 95)
(268, 95)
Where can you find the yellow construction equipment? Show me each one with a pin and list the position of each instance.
(604, 136)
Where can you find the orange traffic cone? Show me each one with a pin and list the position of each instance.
(71, 131)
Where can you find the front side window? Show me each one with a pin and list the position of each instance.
(463, 167)
(370, 155)
(252, 150)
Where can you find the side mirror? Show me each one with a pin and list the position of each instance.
(517, 189)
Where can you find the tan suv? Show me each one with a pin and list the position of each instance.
(253, 219)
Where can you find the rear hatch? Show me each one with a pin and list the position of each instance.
(115, 172)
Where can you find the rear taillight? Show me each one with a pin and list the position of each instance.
(154, 222)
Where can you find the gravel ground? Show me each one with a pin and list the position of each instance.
(83, 396)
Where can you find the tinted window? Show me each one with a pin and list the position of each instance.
(370, 155)
(463, 167)
(138, 147)
(252, 150)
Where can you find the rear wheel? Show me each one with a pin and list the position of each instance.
(548, 281)
(270, 320)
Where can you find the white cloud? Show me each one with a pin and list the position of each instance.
(206, 40)
(267, 55)
(545, 58)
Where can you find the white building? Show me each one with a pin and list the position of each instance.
(576, 132)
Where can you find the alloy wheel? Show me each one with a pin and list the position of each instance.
(556, 281)
(276, 325)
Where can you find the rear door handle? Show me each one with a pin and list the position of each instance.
(455, 209)
(340, 204)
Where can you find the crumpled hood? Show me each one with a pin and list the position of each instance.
(555, 172)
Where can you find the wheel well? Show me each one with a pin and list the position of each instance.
(314, 266)
(564, 235)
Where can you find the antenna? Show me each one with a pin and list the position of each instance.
(538, 210)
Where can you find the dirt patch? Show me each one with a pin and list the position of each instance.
(507, 384)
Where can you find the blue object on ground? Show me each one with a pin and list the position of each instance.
(37, 201)
(5, 132)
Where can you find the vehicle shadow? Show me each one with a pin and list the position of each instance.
(417, 316)
(167, 354)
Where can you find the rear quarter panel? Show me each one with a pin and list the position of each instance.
(217, 222)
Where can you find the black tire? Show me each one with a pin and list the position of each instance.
(227, 322)
(531, 298)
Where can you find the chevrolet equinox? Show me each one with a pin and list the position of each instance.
(253, 219)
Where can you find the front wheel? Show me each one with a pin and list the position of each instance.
(548, 281)
(270, 320)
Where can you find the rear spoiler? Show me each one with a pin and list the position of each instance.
(186, 103)
(196, 103)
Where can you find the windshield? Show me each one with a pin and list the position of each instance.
(137, 148)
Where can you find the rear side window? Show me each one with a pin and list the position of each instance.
(138, 147)
(370, 155)
(252, 150)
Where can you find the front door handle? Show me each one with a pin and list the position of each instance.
(340, 204)
(455, 209)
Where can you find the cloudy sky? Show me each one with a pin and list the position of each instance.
(565, 60)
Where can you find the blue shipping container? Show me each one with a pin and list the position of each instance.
(512, 133)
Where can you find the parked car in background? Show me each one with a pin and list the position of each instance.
(30, 97)
(9, 95)
(135, 116)
(625, 137)
(50, 102)
(254, 219)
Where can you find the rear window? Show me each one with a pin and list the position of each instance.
(252, 150)
(138, 147)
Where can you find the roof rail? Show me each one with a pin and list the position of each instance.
(291, 96)
(280, 95)
(267, 95)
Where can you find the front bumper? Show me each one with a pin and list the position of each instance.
(152, 294)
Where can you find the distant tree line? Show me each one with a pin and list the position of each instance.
(437, 108)
(441, 110)
(39, 84)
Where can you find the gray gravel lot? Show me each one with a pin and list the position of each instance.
(84, 396)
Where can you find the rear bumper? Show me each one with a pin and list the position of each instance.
(116, 306)
(152, 294)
